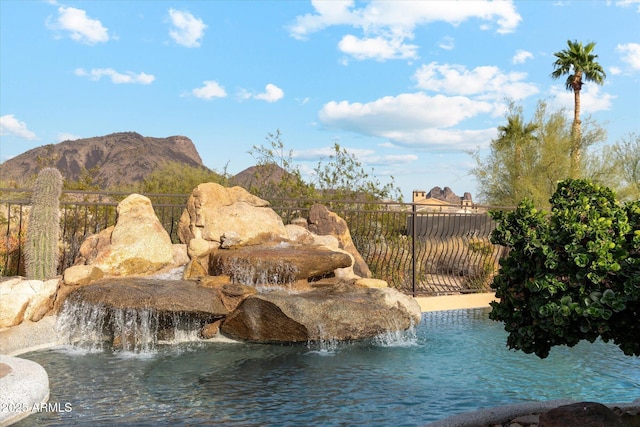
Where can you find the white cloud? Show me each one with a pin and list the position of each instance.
(186, 29)
(447, 43)
(366, 156)
(385, 25)
(378, 48)
(9, 125)
(272, 93)
(116, 77)
(210, 90)
(411, 119)
(389, 160)
(63, 136)
(484, 82)
(625, 3)
(445, 139)
(81, 28)
(630, 53)
(408, 111)
(591, 99)
(450, 94)
(521, 56)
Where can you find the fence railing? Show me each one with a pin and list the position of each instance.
(417, 248)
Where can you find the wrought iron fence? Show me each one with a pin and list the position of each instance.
(417, 248)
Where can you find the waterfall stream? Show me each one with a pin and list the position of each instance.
(95, 327)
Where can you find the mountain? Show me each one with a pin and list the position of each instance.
(447, 195)
(259, 176)
(119, 158)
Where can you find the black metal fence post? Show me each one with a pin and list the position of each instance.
(414, 211)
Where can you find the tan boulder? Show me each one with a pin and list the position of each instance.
(137, 244)
(301, 236)
(22, 299)
(198, 247)
(214, 212)
(371, 283)
(79, 275)
(180, 255)
(324, 222)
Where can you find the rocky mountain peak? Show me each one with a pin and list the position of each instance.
(447, 195)
(115, 159)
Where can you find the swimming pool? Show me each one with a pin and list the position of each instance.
(453, 362)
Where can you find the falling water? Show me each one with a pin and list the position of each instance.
(325, 345)
(254, 272)
(94, 327)
(396, 336)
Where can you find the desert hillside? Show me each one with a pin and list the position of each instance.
(117, 159)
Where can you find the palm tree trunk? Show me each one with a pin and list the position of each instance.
(576, 131)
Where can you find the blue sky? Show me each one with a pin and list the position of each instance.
(408, 87)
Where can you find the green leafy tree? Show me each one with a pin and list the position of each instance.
(527, 159)
(276, 175)
(572, 274)
(507, 174)
(178, 178)
(578, 63)
(618, 166)
(343, 177)
(626, 160)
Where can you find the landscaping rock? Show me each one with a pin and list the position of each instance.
(137, 244)
(582, 414)
(79, 275)
(22, 299)
(340, 312)
(322, 222)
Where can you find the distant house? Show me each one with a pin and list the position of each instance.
(431, 204)
(442, 215)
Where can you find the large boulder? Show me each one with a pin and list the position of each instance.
(22, 299)
(138, 244)
(340, 312)
(214, 213)
(276, 264)
(581, 414)
(164, 296)
(324, 222)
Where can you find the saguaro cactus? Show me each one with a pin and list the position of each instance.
(43, 229)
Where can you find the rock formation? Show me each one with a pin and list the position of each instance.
(324, 222)
(338, 312)
(137, 244)
(247, 275)
(22, 300)
(447, 195)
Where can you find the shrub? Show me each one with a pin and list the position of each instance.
(572, 274)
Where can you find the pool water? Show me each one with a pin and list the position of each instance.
(453, 362)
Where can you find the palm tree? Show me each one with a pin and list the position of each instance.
(516, 134)
(579, 63)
